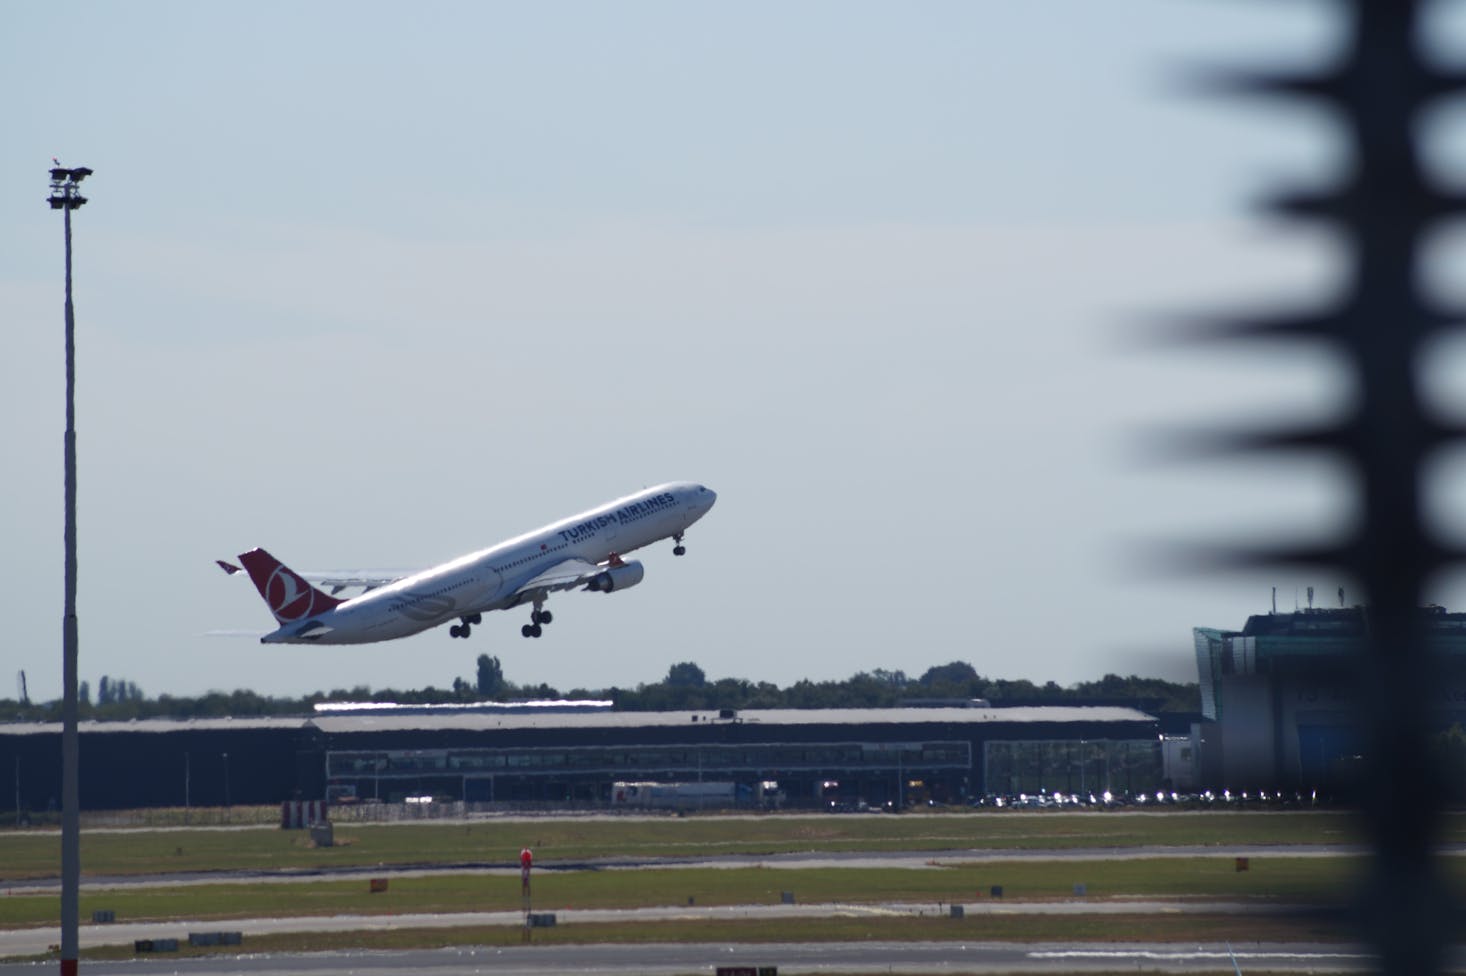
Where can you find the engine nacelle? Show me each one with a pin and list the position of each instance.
(617, 577)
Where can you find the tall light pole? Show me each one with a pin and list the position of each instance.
(66, 198)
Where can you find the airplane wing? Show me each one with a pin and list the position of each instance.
(336, 582)
(613, 574)
(363, 580)
(565, 575)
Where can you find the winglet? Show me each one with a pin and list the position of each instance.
(229, 568)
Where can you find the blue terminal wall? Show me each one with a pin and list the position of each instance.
(1285, 702)
(126, 765)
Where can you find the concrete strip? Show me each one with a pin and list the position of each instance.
(34, 941)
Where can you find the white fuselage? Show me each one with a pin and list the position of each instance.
(495, 578)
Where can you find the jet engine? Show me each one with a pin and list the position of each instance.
(617, 577)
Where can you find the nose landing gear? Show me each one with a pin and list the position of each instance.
(679, 549)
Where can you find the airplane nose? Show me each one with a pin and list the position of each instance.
(709, 496)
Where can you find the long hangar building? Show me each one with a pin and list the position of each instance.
(896, 755)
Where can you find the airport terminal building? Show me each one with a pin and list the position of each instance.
(1278, 711)
(1281, 702)
(794, 758)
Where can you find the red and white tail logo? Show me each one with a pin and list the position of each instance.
(289, 596)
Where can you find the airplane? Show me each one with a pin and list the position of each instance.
(580, 552)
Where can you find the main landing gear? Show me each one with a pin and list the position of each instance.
(537, 619)
(466, 627)
(679, 549)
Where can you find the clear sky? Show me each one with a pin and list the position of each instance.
(374, 284)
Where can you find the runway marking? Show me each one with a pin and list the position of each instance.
(1200, 954)
(858, 911)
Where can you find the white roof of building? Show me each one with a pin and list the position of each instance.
(486, 721)
(157, 725)
(782, 716)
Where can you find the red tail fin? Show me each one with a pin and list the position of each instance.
(290, 597)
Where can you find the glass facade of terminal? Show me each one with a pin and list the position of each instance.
(808, 774)
(1073, 766)
(869, 771)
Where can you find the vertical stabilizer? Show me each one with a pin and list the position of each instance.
(288, 594)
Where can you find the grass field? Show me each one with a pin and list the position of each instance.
(1183, 929)
(26, 854)
(1308, 892)
(1279, 880)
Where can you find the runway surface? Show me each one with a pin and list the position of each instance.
(672, 960)
(667, 960)
(29, 941)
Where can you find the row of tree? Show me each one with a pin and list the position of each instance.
(686, 687)
(109, 691)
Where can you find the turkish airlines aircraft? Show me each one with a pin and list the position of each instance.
(583, 551)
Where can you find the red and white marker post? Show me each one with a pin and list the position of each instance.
(526, 861)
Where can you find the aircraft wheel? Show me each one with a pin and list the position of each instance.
(543, 617)
(679, 550)
(534, 631)
(455, 631)
(527, 630)
(476, 618)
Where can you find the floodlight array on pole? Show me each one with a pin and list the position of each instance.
(66, 197)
